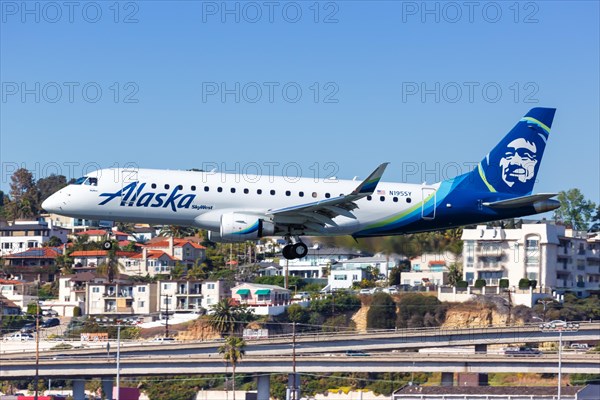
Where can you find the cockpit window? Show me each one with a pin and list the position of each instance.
(84, 180)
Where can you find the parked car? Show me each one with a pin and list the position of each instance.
(356, 353)
(161, 339)
(19, 336)
(580, 346)
(301, 296)
(50, 313)
(521, 351)
(364, 291)
(50, 323)
(28, 327)
(391, 290)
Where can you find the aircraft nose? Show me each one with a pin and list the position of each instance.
(53, 203)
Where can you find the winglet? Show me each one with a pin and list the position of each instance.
(368, 185)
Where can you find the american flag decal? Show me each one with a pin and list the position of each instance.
(381, 192)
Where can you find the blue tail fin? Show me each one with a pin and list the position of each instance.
(512, 166)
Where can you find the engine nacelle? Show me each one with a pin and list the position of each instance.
(237, 227)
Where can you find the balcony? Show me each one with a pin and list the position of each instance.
(120, 294)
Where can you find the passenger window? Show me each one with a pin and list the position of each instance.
(246, 191)
(167, 186)
(258, 191)
(395, 199)
(232, 190)
(153, 186)
(193, 188)
(219, 189)
(408, 200)
(314, 195)
(180, 187)
(288, 193)
(382, 198)
(272, 192)
(327, 195)
(369, 198)
(301, 194)
(206, 188)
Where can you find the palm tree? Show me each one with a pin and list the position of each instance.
(223, 317)
(233, 351)
(111, 266)
(177, 231)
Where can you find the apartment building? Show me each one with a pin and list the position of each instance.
(121, 297)
(23, 235)
(557, 258)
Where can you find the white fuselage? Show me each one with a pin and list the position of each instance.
(200, 198)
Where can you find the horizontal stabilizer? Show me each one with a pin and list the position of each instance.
(520, 201)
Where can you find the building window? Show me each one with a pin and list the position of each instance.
(142, 289)
(96, 290)
(339, 277)
(141, 303)
(210, 286)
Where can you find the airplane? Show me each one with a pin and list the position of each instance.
(235, 210)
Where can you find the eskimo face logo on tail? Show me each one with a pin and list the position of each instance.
(133, 195)
(519, 161)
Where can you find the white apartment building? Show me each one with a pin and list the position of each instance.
(341, 278)
(121, 297)
(213, 291)
(559, 259)
(317, 261)
(18, 292)
(429, 269)
(179, 295)
(23, 235)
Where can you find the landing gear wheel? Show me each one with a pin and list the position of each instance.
(299, 250)
(107, 245)
(288, 252)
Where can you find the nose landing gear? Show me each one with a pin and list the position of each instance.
(294, 249)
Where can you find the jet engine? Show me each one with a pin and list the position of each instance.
(237, 227)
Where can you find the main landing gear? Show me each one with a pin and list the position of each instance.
(294, 249)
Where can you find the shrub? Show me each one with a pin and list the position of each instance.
(479, 283)
(503, 283)
(533, 283)
(382, 312)
(77, 311)
(524, 283)
(462, 284)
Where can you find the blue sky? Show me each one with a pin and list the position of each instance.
(360, 67)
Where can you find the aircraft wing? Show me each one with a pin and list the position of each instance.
(317, 214)
(520, 201)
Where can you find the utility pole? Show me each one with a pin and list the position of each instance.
(167, 297)
(294, 360)
(37, 347)
(545, 302)
(118, 361)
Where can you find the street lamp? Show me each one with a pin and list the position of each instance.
(560, 327)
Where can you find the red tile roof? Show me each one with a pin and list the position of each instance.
(153, 254)
(10, 282)
(176, 243)
(119, 233)
(36, 252)
(93, 232)
(99, 253)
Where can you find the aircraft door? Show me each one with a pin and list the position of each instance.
(428, 204)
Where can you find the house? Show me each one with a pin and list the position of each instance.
(429, 269)
(149, 262)
(186, 251)
(344, 278)
(379, 264)
(413, 392)
(74, 225)
(317, 261)
(8, 307)
(100, 235)
(72, 292)
(23, 235)
(18, 292)
(213, 292)
(121, 297)
(36, 263)
(179, 295)
(557, 258)
(88, 260)
(263, 299)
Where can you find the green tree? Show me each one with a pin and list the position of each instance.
(228, 318)
(297, 313)
(24, 197)
(177, 231)
(49, 185)
(382, 312)
(454, 273)
(233, 352)
(574, 211)
(110, 267)
(54, 241)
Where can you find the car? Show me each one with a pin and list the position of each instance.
(521, 351)
(580, 346)
(356, 353)
(50, 323)
(391, 290)
(28, 327)
(19, 336)
(161, 339)
(301, 296)
(364, 291)
(50, 313)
